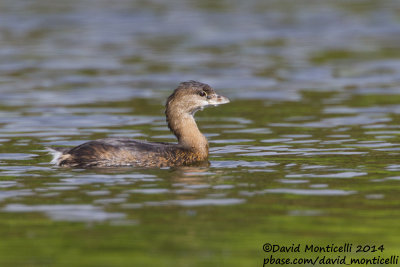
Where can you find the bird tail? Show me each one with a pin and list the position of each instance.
(58, 154)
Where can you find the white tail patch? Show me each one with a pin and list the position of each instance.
(56, 155)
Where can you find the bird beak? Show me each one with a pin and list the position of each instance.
(217, 100)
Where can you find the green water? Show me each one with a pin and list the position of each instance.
(306, 152)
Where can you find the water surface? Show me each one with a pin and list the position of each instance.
(306, 152)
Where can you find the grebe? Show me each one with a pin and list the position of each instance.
(180, 108)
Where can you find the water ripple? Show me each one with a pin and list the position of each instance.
(307, 192)
(73, 213)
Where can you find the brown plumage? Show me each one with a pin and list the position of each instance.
(180, 108)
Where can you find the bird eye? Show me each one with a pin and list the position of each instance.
(202, 93)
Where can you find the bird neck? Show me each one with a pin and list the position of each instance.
(184, 127)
